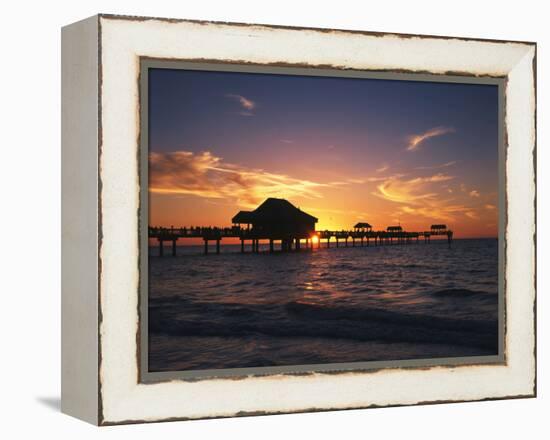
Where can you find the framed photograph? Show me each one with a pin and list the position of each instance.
(262, 220)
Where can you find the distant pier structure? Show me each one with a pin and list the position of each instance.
(278, 221)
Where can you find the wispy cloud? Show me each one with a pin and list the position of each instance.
(206, 175)
(247, 104)
(490, 207)
(382, 168)
(374, 179)
(371, 179)
(416, 140)
(287, 141)
(436, 210)
(423, 197)
(409, 190)
(474, 193)
(436, 167)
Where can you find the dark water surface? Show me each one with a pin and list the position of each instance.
(326, 306)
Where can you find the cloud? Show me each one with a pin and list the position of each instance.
(413, 190)
(435, 210)
(435, 167)
(372, 179)
(287, 141)
(382, 168)
(474, 193)
(416, 140)
(490, 207)
(247, 104)
(436, 178)
(205, 175)
(424, 197)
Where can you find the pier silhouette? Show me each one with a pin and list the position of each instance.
(279, 222)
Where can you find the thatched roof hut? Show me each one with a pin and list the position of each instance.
(438, 227)
(362, 225)
(243, 217)
(277, 217)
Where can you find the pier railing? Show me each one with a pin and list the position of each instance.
(289, 241)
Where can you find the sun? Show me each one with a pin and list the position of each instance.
(314, 238)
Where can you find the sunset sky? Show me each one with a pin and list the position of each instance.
(343, 150)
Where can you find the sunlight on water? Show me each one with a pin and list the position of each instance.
(336, 305)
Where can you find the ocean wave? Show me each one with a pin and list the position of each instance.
(461, 293)
(371, 314)
(418, 297)
(298, 319)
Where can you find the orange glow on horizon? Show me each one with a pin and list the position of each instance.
(201, 189)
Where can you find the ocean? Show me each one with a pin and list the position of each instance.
(332, 305)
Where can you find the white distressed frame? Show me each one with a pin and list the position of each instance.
(122, 41)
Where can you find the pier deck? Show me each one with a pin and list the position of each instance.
(318, 239)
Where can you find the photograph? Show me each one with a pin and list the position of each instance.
(313, 218)
(258, 220)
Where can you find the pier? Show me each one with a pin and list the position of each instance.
(286, 228)
(250, 238)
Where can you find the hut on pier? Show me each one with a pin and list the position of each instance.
(243, 218)
(277, 218)
(362, 227)
(434, 229)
